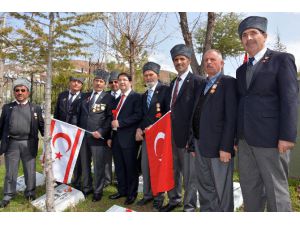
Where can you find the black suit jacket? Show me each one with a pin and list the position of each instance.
(129, 118)
(217, 126)
(267, 110)
(160, 103)
(182, 110)
(37, 124)
(97, 118)
(61, 110)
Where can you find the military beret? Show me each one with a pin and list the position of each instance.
(80, 79)
(22, 82)
(255, 22)
(101, 74)
(181, 49)
(151, 66)
(113, 76)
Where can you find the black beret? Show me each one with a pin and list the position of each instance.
(101, 74)
(113, 76)
(255, 22)
(80, 79)
(181, 49)
(151, 66)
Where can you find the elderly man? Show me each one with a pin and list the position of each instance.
(155, 103)
(213, 128)
(182, 95)
(67, 107)
(267, 119)
(19, 125)
(95, 116)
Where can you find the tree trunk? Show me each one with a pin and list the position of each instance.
(187, 36)
(47, 137)
(2, 69)
(132, 61)
(211, 22)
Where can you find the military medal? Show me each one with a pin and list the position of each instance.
(35, 115)
(102, 107)
(213, 88)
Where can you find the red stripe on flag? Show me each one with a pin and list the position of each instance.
(52, 127)
(78, 133)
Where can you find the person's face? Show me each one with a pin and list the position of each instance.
(124, 83)
(21, 93)
(181, 63)
(150, 78)
(114, 85)
(213, 63)
(253, 41)
(98, 84)
(75, 86)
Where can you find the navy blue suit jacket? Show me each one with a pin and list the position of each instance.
(267, 110)
(181, 115)
(217, 127)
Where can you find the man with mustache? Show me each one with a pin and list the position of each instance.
(267, 119)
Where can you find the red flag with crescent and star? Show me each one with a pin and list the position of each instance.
(159, 149)
(66, 140)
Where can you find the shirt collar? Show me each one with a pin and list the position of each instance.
(24, 103)
(118, 92)
(259, 55)
(184, 75)
(153, 88)
(214, 77)
(127, 92)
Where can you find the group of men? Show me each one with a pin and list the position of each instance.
(254, 115)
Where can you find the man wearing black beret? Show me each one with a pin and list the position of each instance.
(267, 119)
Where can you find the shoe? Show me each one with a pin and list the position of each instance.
(4, 203)
(30, 197)
(169, 208)
(157, 205)
(96, 197)
(144, 201)
(86, 194)
(116, 196)
(129, 200)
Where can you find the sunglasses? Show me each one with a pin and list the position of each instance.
(20, 90)
(115, 82)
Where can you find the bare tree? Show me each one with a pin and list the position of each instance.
(278, 45)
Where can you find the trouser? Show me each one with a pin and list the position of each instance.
(214, 183)
(108, 166)
(264, 178)
(76, 179)
(18, 149)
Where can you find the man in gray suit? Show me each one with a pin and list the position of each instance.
(267, 119)
(19, 125)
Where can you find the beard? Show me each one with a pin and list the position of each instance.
(150, 84)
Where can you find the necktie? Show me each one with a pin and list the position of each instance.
(249, 73)
(114, 94)
(251, 60)
(120, 103)
(149, 96)
(175, 93)
(93, 99)
(70, 100)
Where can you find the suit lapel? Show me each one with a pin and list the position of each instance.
(154, 96)
(184, 86)
(218, 81)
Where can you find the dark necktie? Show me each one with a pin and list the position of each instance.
(70, 100)
(251, 60)
(249, 73)
(175, 93)
(93, 99)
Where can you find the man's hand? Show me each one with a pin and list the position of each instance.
(225, 156)
(109, 141)
(283, 146)
(115, 124)
(96, 134)
(139, 134)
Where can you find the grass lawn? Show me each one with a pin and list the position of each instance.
(20, 204)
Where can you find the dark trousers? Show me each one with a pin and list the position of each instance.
(125, 160)
(108, 166)
(76, 179)
(18, 149)
(96, 153)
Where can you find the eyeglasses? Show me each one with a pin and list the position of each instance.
(115, 82)
(20, 90)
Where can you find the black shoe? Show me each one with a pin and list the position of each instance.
(4, 203)
(96, 197)
(116, 196)
(86, 194)
(144, 201)
(157, 205)
(30, 198)
(129, 200)
(169, 208)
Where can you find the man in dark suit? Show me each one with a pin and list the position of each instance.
(182, 95)
(95, 116)
(127, 115)
(20, 122)
(213, 129)
(267, 119)
(155, 103)
(67, 107)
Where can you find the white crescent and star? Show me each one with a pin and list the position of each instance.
(160, 135)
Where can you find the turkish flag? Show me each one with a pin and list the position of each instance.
(159, 148)
(66, 140)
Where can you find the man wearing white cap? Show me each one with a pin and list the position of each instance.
(19, 125)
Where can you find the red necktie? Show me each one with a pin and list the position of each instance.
(120, 104)
(175, 93)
